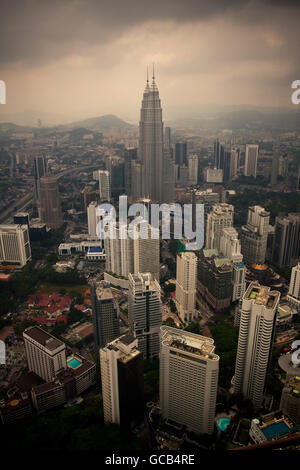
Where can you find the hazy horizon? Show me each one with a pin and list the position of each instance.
(81, 59)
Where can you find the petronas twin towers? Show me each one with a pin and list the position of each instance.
(157, 168)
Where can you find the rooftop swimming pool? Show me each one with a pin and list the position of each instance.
(223, 423)
(74, 362)
(275, 430)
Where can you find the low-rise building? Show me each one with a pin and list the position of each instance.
(270, 426)
(290, 398)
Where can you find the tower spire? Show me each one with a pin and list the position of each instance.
(153, 86)
(147, 89)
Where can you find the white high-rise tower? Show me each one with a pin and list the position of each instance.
(186, 278)
(188, 384)
(257, 323)
(294, 288)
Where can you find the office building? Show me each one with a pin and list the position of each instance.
(105, 315)
(145, 312)
(50, 205)
(130, 156)
(220, 217)
(207, 197)
(286, 244)
(251, 157)
(117, 177)
(269, 427)
(21, 218)
(122, 382)
(181, 154)
(169, 179)
(290, 398)
(238, 281)
(257, 326)
(125, 254)
(254, 235)
(119, 253)
(226, 165)
(294, 288)
(45, 354)
(93, 218)
(193, 169)
(230, 247)
(151, 143)
(215, 274)
(104, 185)
(186, 281)
(183, 176)
(14, 244)
(69, 383)
(146, 255)
(188, 382)
(219, 150)
(167, 140)
(136, 180)
(88, 195)
(234, 163)
(213, 175)
(39, 170)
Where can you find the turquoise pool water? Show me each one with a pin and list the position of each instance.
(275, 430)
(74, 362)
(222, 423)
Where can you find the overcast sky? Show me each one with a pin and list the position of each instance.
(82, 58)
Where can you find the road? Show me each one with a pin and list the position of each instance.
(20, 203)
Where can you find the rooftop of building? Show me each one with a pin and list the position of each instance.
(261, 210)
(43, 338)
(262, 295)
(205, 192)
(21, 214)
(293, 385)
(189, 343)
(274, 425)
(126, 345)
(188, 255)
(208, 253)
(222, 208)
(103, 291)
(11, 227)
(127, 339)
(27, 381)
(143, 280)
(46, 387)
(76, 365)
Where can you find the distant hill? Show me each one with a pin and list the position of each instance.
(102, 123)
(260, 118)
(77, 129)
(30, 118)
(11, 128)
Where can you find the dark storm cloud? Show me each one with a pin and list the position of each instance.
(38, 31)
(86, 57)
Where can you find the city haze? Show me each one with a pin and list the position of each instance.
(77, 59)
